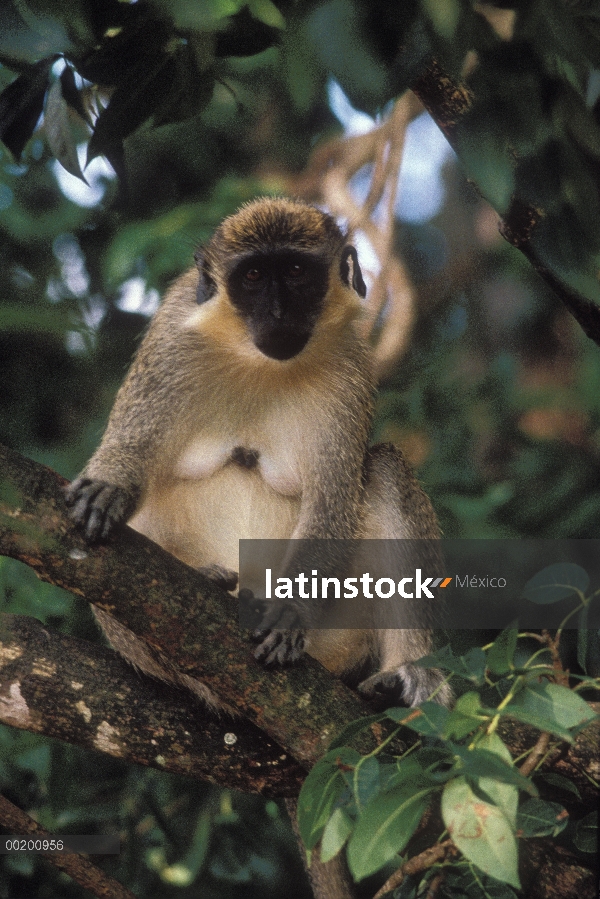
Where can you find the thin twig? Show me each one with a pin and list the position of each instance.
(536, 754)
(417, 865)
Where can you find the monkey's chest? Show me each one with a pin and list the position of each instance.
(273, 464)
(218, 494)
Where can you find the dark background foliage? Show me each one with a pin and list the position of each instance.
(200, 106)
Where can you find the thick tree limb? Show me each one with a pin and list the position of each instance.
(86, 694)
(178, 612)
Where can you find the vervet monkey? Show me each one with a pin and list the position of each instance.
(246, 414)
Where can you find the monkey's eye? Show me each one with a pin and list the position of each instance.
(295, 270)
(253, 274)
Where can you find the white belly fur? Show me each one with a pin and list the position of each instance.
(209, 504)
(201, 520)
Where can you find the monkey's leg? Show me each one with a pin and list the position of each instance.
(406, 683)
(396, 508)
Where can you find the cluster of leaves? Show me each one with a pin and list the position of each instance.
(373, 803)
(143, 61)
(528, 132)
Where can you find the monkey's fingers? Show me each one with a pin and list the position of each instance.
(280, 647)
(97, 507)
(223, 577)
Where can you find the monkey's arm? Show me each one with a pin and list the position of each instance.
(110, 487)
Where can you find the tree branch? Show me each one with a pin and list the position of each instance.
(86, 694)
(449, 103)
(176, 610)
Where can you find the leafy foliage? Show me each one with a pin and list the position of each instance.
(527, 131)
(199, 107)
(373, 804)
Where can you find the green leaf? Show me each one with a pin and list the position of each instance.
(131, 105)
(550, 707)
(244, 35)
(429, 718)
(196, 854)
(384, 828)
(444, 15)
(469, 704)
(266, 11)
(320, 791)
(191, 85)
(564, 246)
(366, 781)
(586, 833)
(481, 831)
(334, 27)
(337, 830)
(471, 666)
(500, 793)
(72, 95)
(466, 716)
(556, 582)
(502, 651)
(194, 16)
(58, 131)
(27, 36)
(466, 882)
(539, 818)
(355, 727)
(21, 105)
(409, 770)
(488, 768)
(563, 783)
(486, 161)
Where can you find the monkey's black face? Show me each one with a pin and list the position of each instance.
(280, 296)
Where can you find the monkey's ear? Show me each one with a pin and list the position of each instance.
(206, 286)
(356, 281)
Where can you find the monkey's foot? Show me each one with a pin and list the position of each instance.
(223, 577)
(408, 684)
(97, 507)
(279, 647)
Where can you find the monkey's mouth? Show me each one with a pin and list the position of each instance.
(282, 343)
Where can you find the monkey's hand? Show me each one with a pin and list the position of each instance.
(408, 684)
(97, 507)
(280, 639)
(279, 647)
